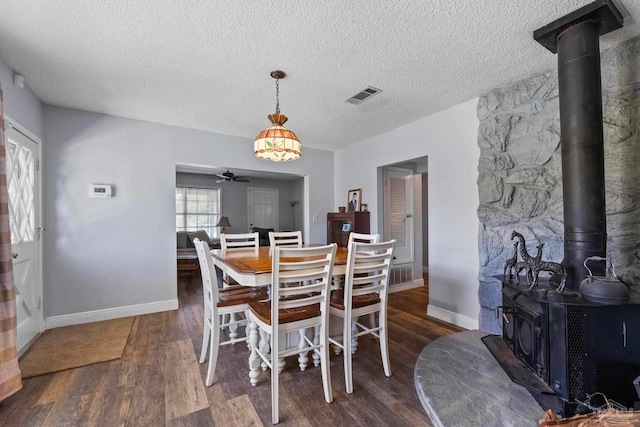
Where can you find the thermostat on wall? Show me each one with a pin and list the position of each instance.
(100, 191)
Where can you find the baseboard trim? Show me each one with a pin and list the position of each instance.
(451, 317)
(408, 285)
(110, 313)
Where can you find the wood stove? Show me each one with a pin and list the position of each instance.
(575, 346)
(524, 329)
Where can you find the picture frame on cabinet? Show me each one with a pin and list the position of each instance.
(354, 198)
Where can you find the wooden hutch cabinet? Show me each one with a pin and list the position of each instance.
(339, 225)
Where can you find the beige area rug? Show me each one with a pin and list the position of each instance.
(74, 346)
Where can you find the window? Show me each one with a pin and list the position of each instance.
(198, 209)
(20, 164)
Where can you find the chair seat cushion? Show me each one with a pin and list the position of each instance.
(262, 310)
(240, 295)
(337, 300)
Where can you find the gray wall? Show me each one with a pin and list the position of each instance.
(20, 104)
(520, 180)
(449, 139)
(297, 193)
(109, 253)
(234, 197)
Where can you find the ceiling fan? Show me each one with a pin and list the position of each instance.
(230, 176)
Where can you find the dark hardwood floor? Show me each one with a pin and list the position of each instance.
(159, 382)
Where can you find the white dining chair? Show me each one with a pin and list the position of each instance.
(292, 308)
(362, 238)
(239, 241)
(285, 238)
(365, 292)
(217, 303)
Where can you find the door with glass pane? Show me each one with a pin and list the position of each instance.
(22, 186)
(398, 212)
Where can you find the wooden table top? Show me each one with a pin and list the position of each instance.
(251, 261)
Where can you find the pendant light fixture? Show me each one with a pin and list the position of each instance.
(277, 143)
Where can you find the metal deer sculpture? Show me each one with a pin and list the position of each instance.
(534, 265)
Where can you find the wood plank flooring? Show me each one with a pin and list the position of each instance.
(159, 382)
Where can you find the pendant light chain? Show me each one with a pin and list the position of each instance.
(277, 96)
(277, 143)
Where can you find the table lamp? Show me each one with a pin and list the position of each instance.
(223, 222)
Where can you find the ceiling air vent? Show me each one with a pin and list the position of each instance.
(362, 96)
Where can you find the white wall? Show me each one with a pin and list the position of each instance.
(112, 253)
(449, 139)
(20, 104)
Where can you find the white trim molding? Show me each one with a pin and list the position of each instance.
(407, 285)
(451, 317)
(110, 313)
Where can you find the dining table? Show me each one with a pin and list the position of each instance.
(252, 267)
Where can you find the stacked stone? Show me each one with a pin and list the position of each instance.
(520, 176)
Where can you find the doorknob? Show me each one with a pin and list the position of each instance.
(15, 255)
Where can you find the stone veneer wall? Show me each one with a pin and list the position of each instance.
(520, 177)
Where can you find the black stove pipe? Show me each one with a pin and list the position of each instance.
(576, 39)
(582, 145)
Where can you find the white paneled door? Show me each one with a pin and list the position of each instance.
(398, 212)
(262, 204)
(22, 186)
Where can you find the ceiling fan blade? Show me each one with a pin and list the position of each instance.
(241, 179)
(220, 176)
(220, 180)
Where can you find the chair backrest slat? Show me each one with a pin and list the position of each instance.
(239, 241)
(295, 276)
(285, 238)
(291, 266)
(312, 265)
(363, 238)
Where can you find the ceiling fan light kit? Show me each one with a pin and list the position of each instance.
(276, 143)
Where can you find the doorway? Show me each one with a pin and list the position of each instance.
(262, 208)
(398, 212)
(23, 187)
(403, 216)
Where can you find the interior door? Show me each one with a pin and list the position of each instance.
(398, 212)
(22, 186)
(262, 205)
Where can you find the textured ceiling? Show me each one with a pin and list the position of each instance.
(205, 64)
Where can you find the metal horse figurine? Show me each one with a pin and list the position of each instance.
(535, 265)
